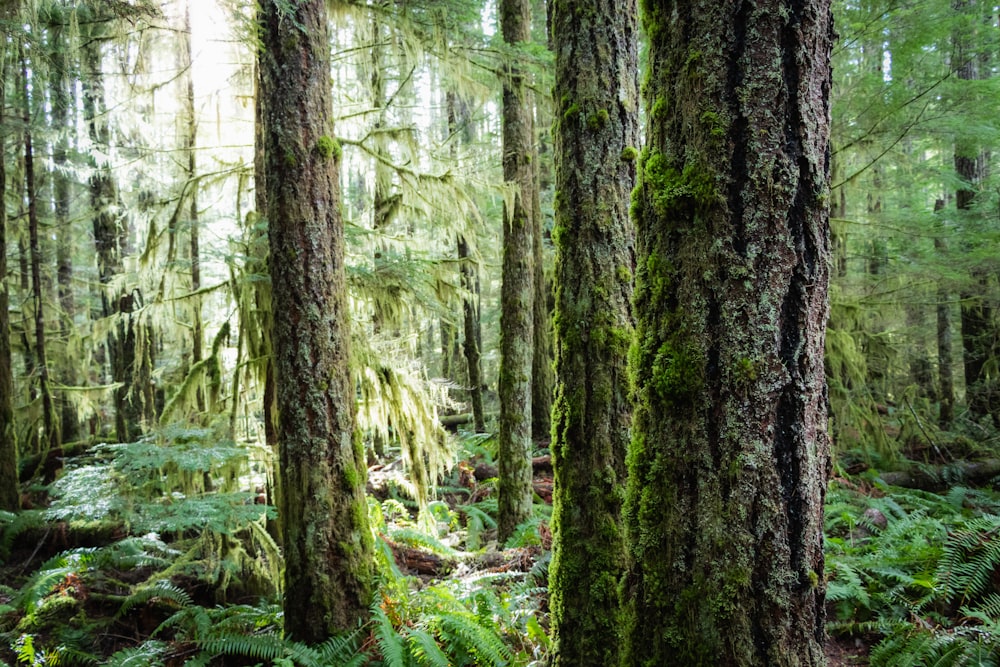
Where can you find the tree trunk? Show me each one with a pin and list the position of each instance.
(9, 490)
(50, 434)
(730, 454)
(191, 140)
(129, 355)
(946, 382)
(327, 541)
(976, 307)
(596, 138)
(516, 295)
(542, 377)
(62, 101)
(470, 345)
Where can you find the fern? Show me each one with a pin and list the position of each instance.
(390, 644)
(148, 654)
(160, 591)
(424, 647)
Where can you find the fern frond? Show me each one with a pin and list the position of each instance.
(483, 642)
(148, 654)
(161, 590)
(389, 642)
(424, 647)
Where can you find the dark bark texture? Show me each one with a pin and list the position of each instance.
(9, 494)
(730, 453)
(516, 295)
(596, 92)
(327, 541)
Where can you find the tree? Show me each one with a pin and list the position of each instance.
(596, 136)
(327, 542)
(9, 494)
(516, 314)
(729, 457)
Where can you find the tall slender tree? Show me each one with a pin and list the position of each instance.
(596, 90)
(729, 457)
(9, 493)
(327, 542)
(517, 293)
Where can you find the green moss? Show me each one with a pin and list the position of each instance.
(328, 147)
(714, 123)
(659, 109)
(624, 273)
(351, 477)
(598, 120)
(291, 162)
(572, 112)
(678, 194)
(676, 371)
(745, 371)
(629, 154)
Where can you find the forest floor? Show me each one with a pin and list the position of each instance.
(69, 583)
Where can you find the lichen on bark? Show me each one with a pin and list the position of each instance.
(729, 456)
(327, 542)
(596, 83)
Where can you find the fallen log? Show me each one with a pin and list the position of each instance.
(539, 464)
(943, 477)
(418, 561)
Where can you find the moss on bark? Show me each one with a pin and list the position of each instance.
(596, 56)
(729, 456)
(517, 292)
(327, 541)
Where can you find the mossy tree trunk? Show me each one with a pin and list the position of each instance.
(62, 100)
(9, 491)
(596, 92)
(730, 454)
(542, 377)
(516, 294)
(946, 381)
(49, 430)
(129, 346)
(327, 542)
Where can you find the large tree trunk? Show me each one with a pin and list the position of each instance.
(9, 491)
(516, 295)
(946, 382)
(596, 140)
(730, 454)
(327, 542)
(976, 307)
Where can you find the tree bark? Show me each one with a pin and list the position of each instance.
(516, 294)
(730, 454)
(9, 489)
(327, 541)
(597, 101)
(542, 377)
(946, 382)
(62, 100)
(50, 433)
(129, 347)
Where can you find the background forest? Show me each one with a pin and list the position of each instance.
(137, 416)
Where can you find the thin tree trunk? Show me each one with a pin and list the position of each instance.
(185, 64)
(9, 490)
(62, 102)
(542, 377)
(470, 312)
(730, 455)
(596, 140)
(946, 382)
(517, 293)
(327, 542)
(50, 434)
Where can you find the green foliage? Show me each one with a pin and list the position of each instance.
(918, 569)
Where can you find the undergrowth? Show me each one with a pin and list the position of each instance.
(915, 573)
